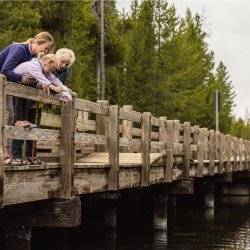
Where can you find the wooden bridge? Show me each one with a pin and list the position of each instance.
(96, 147)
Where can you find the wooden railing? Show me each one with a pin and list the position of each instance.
(180, 150)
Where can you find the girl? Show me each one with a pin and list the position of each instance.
(40, 69)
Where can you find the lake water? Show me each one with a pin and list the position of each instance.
(189, 227)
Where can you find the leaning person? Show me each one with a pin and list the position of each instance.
(10, 57)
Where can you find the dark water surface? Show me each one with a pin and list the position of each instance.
(189, 227)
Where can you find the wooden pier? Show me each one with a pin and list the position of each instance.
(96, 147)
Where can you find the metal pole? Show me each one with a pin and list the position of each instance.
(216, 110)
(102, 61)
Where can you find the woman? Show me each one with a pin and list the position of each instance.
(66, 59)
(10, 57)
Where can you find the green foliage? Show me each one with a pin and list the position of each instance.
(155, 60)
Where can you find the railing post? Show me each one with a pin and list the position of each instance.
(221, 156)
(68, 120)
(240, 141)
(186, 149)
(228, 153)
(170, 152)
(102, 126)
(211, 152)
(245, 165)
(166, 135)
(127, 128)
(145, 147)
(163, 133)
(2, 139)
(234, 140)
(200, 152)
(113, 147)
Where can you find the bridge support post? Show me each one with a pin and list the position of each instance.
(102, 210)
(160, 211)
(209, 187)
(57, 212)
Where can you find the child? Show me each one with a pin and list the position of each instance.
(41, 70)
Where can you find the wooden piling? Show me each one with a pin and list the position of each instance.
(200, 152)
(113, 147)
(186, 149)
(68, 121)
(169, 151)
(146, 143)
(211, 154)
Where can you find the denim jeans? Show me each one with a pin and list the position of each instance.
(23, 110)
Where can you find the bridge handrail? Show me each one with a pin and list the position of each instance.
(191, 150)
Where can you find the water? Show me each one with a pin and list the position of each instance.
(189, 227)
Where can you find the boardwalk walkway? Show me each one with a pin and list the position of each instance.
(95, 147)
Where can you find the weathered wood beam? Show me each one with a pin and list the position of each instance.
(32, 134)
(67, 148)
(146, 144)
(113, 147)
(26, 92)
(93, 107)
(186, 148)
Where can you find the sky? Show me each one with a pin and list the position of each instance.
(227, 23)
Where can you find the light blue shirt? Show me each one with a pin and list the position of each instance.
(34, 69)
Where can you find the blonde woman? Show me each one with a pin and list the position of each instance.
(12, 56)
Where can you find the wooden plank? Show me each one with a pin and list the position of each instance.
(146, 139)
(124, 158)
(228, 154)
(2, 134)
(54, 121)
(84, 139)
(169, 151)
(221, 150)
(113, 146)
(34, 134)
(26, 92)
(102, 123)
(127, 128)
(186, 148)
(200, 152)
(211, 154)
(91, 107)
(130, 115)
(67, 148)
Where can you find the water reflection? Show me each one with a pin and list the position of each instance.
(192, 227)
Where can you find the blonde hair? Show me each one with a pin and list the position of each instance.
(41, 38)
(67, 55)
(50, 58)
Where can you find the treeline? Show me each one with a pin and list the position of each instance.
(155, 60)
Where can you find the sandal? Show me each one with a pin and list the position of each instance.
(7, 160)
(35, 161)
(16, 162)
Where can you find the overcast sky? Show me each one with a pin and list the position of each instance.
(227, 22)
